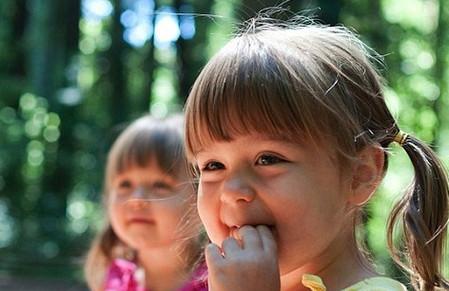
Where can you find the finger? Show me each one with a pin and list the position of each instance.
(250, 237)
(267, 238)
(213, 255)
(230, 246)
(235, 234)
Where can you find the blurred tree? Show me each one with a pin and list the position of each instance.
(440, 72)
(147, 66)
(45, 40)
(191, 55)
(51, 42)
(13, 17)
(327, 11)
(116, 59)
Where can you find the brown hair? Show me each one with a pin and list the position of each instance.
(320, 83)
(146, 140)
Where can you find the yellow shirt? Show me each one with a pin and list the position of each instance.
(314, 283)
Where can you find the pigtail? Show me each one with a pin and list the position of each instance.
(99, 257)
(424, 213)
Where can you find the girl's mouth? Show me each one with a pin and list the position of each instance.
(234, 230)
(140, 221)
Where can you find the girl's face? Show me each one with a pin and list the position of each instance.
(148, 223)
(297, 190)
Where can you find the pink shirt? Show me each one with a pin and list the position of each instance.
(121, 276)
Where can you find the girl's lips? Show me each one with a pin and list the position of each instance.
(140, 220)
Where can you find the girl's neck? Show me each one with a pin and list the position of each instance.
(342, 268)
(164, 268)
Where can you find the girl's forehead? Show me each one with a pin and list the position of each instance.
(253, 136)
(227, 129)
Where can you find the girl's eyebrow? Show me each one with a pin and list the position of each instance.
(163, 183)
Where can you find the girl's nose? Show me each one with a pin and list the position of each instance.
(238, 189)
(139, 193)
(137, 200)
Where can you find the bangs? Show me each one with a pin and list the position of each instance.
(146, 143)
(250, 87)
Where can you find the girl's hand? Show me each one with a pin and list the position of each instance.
(248, 264)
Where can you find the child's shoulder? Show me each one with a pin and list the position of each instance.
(198, 281)
(377, 284)
(124, 275)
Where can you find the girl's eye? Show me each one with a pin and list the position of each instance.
(212, 166)
(267, 159)
(123, 189)
(125, 184)
(162, 186)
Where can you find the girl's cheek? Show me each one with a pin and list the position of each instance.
(204, 200)
(207, 200)
(201, 204)
(208, 208)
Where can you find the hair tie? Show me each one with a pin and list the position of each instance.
(400, 137)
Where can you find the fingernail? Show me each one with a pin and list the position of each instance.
(235, 233)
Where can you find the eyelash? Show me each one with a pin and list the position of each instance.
(162, 186)
(125, 184)
(157, 186)
(207, 166)
(273, 159)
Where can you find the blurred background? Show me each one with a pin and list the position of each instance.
(73, 73)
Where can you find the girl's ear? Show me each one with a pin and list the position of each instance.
(367, 173)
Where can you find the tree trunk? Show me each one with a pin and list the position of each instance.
(191, 57)
(52, 39)
(116, 56)
(440, 104)
(148, 67)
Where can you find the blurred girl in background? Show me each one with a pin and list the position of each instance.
(148, 198)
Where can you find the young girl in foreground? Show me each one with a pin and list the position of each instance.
(289, 129)
(147, 197)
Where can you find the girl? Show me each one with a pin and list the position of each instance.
(147, 195)
(289, 129)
